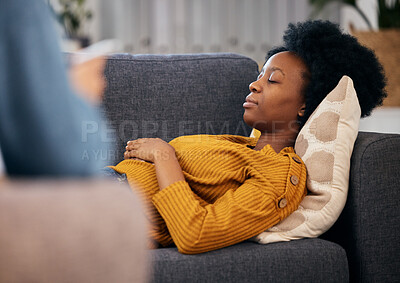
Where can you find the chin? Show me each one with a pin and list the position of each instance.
(248, 120)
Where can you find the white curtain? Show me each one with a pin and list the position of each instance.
(249, 27)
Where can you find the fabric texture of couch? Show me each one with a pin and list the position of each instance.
(167, 96)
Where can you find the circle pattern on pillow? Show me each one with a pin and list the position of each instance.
(324, 127)
(302, 145)
(320, 167)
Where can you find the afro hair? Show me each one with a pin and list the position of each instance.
(330, 54)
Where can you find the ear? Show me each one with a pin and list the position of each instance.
(302, 110)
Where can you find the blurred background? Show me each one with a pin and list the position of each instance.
(248, 27)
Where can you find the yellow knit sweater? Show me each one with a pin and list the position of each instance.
(231, 192)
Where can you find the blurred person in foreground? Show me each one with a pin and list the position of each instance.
(69, 228)
(46, 128)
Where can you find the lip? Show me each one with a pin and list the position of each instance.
(249, 103)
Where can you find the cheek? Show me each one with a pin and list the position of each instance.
(299, 92)
(284, 106)
(295, 97)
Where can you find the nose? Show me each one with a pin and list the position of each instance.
(254, 86)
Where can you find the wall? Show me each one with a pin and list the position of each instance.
(349, 16)
(249, 27)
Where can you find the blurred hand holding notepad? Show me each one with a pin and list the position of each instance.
(87, 69)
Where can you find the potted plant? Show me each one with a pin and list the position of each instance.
(388, 11)
(72, 14)
(385, 41)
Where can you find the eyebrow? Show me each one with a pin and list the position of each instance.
(273, 69)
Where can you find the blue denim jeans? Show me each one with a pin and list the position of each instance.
(111, 173)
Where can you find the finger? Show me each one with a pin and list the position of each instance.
(127, 154)
(130, 154)
(137, 141)
(132, 146)
(134, 141)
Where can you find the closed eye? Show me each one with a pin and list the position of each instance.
(272, 82)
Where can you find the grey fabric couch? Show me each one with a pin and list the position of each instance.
(171, 95)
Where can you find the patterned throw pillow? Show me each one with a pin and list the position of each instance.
(325, 144)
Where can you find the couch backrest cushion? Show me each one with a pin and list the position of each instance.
(167, 96)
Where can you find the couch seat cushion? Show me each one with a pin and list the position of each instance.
(306, 260)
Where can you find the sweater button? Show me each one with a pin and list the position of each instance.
(294, 180)
(282, 203)
(296, 159)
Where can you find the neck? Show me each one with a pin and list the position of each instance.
(277, 141)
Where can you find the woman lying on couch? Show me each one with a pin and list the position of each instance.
(207, 192)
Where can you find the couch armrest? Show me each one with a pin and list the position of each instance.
(71, 231)
(368, 227)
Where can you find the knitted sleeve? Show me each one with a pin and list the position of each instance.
(237, 216)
